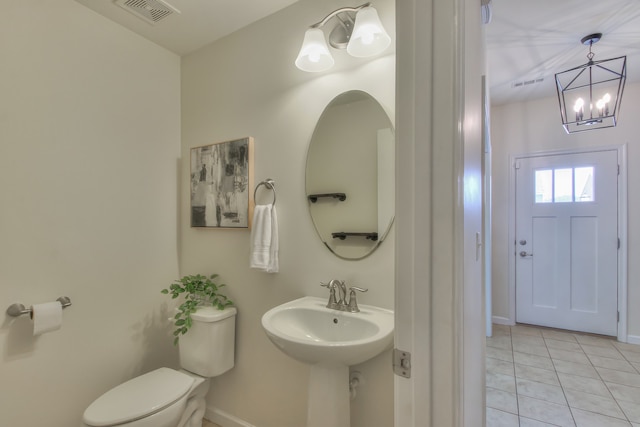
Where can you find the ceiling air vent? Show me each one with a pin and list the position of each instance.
(151, 11)
(528, 82)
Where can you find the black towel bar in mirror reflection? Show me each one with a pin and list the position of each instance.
(340, 196)
(343, 235)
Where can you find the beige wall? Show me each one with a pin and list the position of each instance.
(535, 126)
(89, 142)
(247, 85)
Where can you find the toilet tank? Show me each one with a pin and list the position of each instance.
(208, 348)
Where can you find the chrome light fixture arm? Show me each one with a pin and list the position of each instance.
(338, 11)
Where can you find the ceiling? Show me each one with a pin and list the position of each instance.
(529, 40)
(198, 23)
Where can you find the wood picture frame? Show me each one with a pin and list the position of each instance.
(221, 184)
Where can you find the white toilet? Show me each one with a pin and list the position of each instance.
(166, 397)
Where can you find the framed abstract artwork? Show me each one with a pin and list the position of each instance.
(221, 182)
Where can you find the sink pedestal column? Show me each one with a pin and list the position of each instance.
(328, 403)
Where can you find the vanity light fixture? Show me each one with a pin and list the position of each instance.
(358, 30)
(590, 95)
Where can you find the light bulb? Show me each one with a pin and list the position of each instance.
(314, 54)
(578, 105)
(369, 36)
(606, 97)
(600, 104)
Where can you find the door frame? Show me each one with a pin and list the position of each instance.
(621, 151)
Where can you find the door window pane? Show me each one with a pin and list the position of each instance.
(563, 185)
(544, 186)
(584, 184)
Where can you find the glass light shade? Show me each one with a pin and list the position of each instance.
(314, 54)
(369, 36)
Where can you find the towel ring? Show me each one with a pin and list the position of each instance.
(270, 184)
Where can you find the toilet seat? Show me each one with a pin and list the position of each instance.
(138, 398)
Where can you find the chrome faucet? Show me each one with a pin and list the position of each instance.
(342, 290)
(340, 303)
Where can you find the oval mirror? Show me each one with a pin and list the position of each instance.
(350, 175)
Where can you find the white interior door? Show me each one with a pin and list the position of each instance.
(566, 244)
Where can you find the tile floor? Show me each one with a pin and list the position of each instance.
(540, 377)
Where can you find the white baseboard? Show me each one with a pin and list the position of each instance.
(224, 419)
(498, 320)
(633, 339)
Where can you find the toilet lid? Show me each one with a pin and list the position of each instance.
(138, 397)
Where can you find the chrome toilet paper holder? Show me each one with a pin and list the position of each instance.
(18, 309)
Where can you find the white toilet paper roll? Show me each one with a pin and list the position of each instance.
(47, 317)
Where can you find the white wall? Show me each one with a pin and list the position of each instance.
(535, 126)
(89, 141)
(247, 85)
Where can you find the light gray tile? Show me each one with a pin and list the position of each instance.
(499, 366)
(591, 402)
(528, 339)
(526, 330)
(595, 350)
(589, 419)
(528, 422)
(562, 345)
(607, 362)
(501, 329)
(537, 374)
(619, 377)
(592, 340)
(550, 393)
(569, 356)
(587, 385)
(626, 393)
(533, 360)
(502, 400)
(627, 346)
(548, 412)
(538, 350)
(575, 368)
(631, 410)
(496, 418)
(501, 382)
(499, 341)
(559, 335)
(499, 353)
(631, 356)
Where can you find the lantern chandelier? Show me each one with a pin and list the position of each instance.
(590, 95)
(358, 30)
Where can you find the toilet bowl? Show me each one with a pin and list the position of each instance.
(168, 397)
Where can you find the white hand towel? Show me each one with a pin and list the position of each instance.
(264, 239)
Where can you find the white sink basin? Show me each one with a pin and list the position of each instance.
(307, 331)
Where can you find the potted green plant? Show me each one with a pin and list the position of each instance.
(198, 291)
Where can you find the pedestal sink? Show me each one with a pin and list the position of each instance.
(330, 341)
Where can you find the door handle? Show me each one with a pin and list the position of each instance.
(524, 254)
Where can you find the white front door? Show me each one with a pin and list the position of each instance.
(566, 244)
